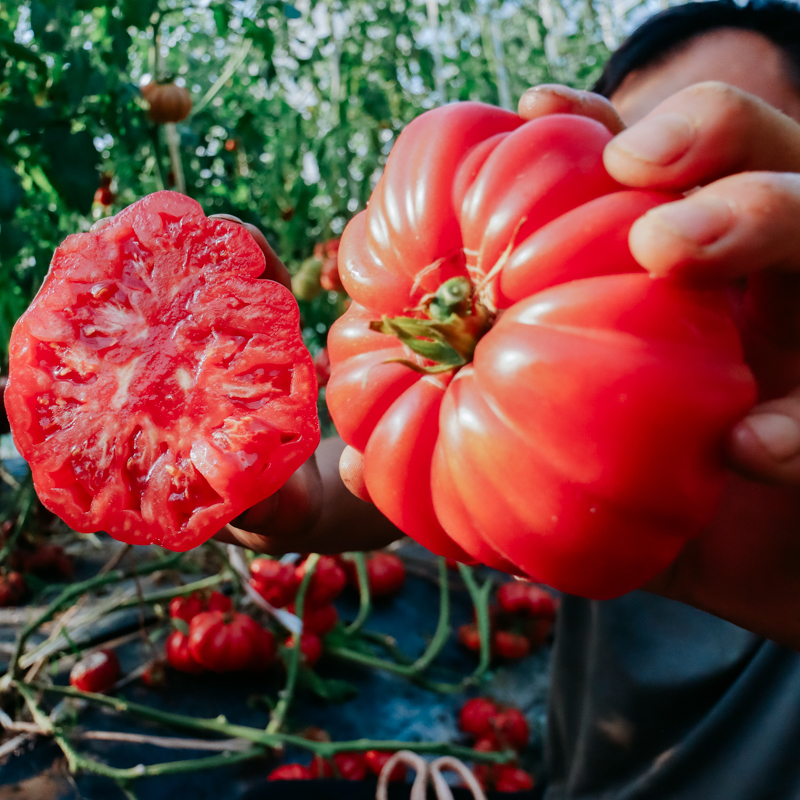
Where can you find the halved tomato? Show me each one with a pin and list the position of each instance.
(158, 387)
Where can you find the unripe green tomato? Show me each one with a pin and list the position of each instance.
(305, 282)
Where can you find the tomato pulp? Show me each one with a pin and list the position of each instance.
(522, 392)
(157, 386)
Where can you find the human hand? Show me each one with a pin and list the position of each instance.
(739, 229)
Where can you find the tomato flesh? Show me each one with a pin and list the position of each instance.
(158, 387)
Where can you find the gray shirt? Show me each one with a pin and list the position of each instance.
(654, 700)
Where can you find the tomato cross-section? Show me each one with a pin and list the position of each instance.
(158, 387)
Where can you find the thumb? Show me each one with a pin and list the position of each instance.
(351, 469)
(765, 445)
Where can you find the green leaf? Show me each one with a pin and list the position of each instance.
(73, 165)
(10, 192)
(261, 36)
(330, 689)
(291, 12)
(222, 18)
(180, 624)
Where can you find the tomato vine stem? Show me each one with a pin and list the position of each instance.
(364, 594)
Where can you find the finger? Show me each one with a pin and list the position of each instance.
(351, 468)
(736, 226)
(274, 270)
(552, 98)
(702, 133)
(766, 444)
(277, 523)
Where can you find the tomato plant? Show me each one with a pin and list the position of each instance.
(512, 779)
(318, 619)
(228, 642)
(511, 728)
(518, 596)
(509, 644)
(97, 672)
(576, 437)
(157, 387)
(310, 647)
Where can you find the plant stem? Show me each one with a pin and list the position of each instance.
(261, 737)
(286, 696)
(480, 601)
(71, 592)
(365, 598)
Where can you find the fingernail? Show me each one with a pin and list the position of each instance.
(659, 140)
(779, 434)
(701, 220)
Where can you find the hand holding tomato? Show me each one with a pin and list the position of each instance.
(739, 229)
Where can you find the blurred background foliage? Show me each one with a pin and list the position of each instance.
(296, 106)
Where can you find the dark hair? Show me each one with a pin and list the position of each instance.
(668, 31)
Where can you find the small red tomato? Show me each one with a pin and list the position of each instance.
(512, 779)
(325, 250)
(320, 768)
(155, 676)
(276, 582)
(185, 607)
(518, 596)
(12, 589)
(219, 602)
(320, 620)
(386, 573)
(290, 772)
(376, 760)
(104, 196)
(511, 728)
(351, 766)
(49, 562)
(327, 582)
(230, 641)
(230, 145)
(178, 654)
(322, 364)
(329, 278)
(469, 636)
(511, 645)
(476, 716)
(310, 648)
(97, 672)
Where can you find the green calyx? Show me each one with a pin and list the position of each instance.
(449, 335)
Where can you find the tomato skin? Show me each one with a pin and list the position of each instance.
(376, 760)
(581, 445)
(104, 196)
(318, 619)
(326, 583)
(512, 779)
(518, 596)
(476, 716)
(511, 728)
(320, 768)
(179, 656)
(310, 648)
(186, 608)
(469, 636)
(13, 589)
(155, 676)
(167, 102)
(510, 645)
(228, 642)
(219, 602)
(158, 387)
(97, 672)
(276, 582)
(351, 766)
(290, 772)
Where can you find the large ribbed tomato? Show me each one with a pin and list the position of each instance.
(521, 390)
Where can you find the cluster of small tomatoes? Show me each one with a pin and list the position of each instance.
(278, 582)
(520, 621)
(47, 562)
(318, 273)
(495, 727)
(351, 766)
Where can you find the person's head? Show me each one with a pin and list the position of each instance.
(754, 47)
